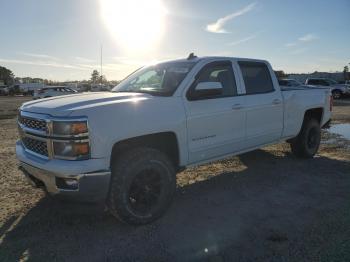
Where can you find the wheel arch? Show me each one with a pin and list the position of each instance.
(166, 142)
(316, 113)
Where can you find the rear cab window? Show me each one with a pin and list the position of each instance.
(257, 78)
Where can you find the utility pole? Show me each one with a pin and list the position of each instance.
(101, 64)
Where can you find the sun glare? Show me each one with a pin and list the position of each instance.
(136, 24)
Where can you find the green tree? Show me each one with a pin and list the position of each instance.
(6, 75)
(280, 74)
(95, 76)
(346, 72)
(102, 79)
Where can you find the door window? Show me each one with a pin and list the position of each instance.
(257, 78)
(220, 72)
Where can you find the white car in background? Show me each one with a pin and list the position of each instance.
(338, 90)
(51, 91)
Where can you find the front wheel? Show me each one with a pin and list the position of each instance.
(142, 186)
(306, 144)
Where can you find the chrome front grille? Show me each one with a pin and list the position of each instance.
(36, 132)
(36, 146)
(37, 124)
(32, 129)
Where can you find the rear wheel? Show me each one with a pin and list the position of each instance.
(336, 94)
(306, 144)
(142, 186)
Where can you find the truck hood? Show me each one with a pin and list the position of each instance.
(65, 105)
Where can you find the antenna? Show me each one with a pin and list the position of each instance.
(191, 56)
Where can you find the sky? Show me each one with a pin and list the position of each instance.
(61, 39)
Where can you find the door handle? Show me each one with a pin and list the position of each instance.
(276, 102)
(237, 107)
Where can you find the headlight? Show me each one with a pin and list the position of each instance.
(71, 150)
(71, 140)
(69, 128)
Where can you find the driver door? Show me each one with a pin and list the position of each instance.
(215, 122)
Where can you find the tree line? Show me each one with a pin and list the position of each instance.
(8, 77)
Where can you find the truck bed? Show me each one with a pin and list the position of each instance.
(297, 100)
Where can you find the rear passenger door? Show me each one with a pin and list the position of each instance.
(264, 105)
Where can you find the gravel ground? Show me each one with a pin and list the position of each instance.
(262, 206)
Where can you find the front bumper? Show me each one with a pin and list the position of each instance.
(69, 183)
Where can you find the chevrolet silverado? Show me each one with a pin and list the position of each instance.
(125, 147)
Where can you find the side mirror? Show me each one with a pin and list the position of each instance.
(206, 89)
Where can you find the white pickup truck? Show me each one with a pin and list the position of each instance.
(125, 147)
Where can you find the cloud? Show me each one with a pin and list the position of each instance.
(290, 44)
(298, 51)
(83, 59)
(130, 61)
(308, 38)
(41, 56)
(303, 39)
(41, 63)
(243, 40)
(218, 26)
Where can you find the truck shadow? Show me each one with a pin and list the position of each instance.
(261, 212)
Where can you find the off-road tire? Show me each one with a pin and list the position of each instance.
(306, 144)
(125, 169)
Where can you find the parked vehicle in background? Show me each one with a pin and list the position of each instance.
(51, 91)
(125, 147)
(15, 90)
(29, 88)
(338, 90)
(289, 83)
(99, 88)
(4, 90)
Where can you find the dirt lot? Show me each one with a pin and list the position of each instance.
(262, 206)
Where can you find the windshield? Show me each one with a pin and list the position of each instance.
(161, 79)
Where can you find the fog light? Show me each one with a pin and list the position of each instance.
(67, 183)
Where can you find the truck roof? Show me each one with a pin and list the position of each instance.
(209, 58)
